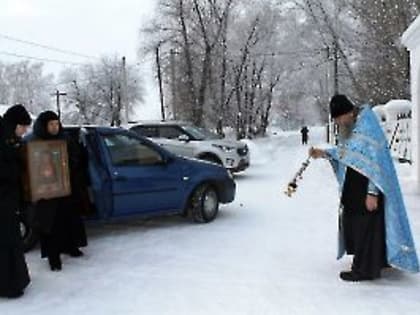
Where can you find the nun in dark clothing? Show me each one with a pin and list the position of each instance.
(14, 277)
(60, 225)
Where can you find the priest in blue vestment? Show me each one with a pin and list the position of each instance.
(373, 223)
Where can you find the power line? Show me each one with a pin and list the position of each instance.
(63, 51)
(310, 66)
(41, 59)
(309, 52)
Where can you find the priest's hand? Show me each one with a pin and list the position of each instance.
(371, 202)
(316, 153)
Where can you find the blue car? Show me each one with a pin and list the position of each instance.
(130, 175)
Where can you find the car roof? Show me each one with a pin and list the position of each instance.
(100, 129)
(158, 123)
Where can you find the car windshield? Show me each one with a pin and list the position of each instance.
(201, 133)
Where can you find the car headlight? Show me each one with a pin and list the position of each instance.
(224, 148)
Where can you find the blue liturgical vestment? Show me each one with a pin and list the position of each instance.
(366, 151)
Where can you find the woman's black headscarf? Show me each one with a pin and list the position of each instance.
(15, 115)
(41, 123)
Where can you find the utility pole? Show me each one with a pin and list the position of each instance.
(336, 91)
(332, 132)
(112, 101)
(327, 71)
(124, 89)
(57, 94)
(327, 94)
(159, 74)
(335, 39)
(173, 83)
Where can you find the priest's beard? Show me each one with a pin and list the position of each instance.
(345, 131)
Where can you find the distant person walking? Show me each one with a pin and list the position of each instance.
(304, 131)
(14, 276)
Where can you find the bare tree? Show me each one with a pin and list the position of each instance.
(384, 64)
(366, 35)
(26, 83)
(240, 64)
(97, 92)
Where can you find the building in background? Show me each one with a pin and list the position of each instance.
(411, 39)
(395, 119)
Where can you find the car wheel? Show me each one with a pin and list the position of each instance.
(28, 234)
(204, 204)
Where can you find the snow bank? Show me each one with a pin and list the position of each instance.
(394, 108)
(380, 112)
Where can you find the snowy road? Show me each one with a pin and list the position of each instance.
(265, 254)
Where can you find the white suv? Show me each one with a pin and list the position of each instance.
(188, 140)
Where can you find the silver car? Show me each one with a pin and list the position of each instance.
(188, 140)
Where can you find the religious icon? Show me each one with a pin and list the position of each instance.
(47, 170)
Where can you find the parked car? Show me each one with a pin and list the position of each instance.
(188, 140)
(131, 175)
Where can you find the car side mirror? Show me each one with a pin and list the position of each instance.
(184, 138)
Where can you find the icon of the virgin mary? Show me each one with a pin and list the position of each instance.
(47, 173)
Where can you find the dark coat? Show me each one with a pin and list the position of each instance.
(364, 231)
(58, 219)
(13, 270)
(304, 131)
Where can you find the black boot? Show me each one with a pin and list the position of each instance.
(75, 252)
(15, 294)
(12, 294)
(353, 276)
(55, 262)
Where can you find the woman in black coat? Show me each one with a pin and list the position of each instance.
(61, 227)
(14, 276)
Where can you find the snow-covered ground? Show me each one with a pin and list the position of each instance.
(266, 253)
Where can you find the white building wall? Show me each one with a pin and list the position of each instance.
(415, 96)
(411, 39)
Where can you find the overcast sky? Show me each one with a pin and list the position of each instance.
(89, 27)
